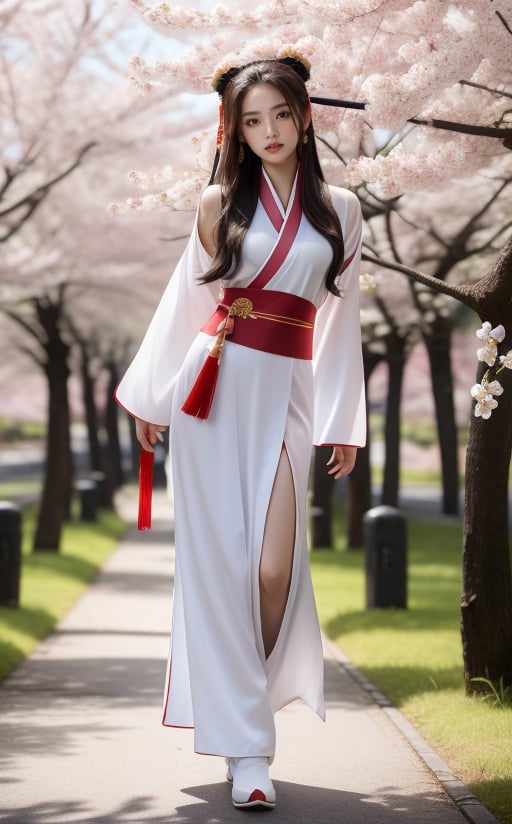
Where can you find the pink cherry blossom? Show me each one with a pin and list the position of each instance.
(409, 66)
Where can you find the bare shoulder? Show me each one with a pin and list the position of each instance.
(209, 211)
(211, 199)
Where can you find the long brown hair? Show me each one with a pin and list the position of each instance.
(240, 181)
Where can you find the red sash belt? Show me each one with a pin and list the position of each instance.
(275, 322)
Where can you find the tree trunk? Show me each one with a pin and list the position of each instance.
(486, 576)
(112, 428)
(487, 588)
(359, 495)
(91, 414)
(320, 509)
(359, 499)
(96, 454)
(396, 362)
(58, 475)
(438, 347)
(134, 449)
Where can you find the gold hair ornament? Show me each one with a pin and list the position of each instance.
(288, 57)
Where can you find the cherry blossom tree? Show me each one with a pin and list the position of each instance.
(432, 230)
(436, 78)
(71, 124)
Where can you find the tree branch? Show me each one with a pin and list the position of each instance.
(32, 355)
(172, 239)
(23, 323)
(386, 314)
(457, 249)
(391, 238)
(380, 207)
(484, 88)
(496, 235)
(460, 292)
(435, 123)
(39, 193)
(26, 215)
(502, 19)
(9, 177)
(464, 128)
(331, 148)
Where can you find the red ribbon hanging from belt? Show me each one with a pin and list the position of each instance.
(146, 462)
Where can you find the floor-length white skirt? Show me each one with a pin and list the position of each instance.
(223, 468)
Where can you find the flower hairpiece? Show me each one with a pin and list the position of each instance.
(288, 56)
(222, 77)
(294, 55)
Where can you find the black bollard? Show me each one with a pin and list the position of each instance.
(100, 479)
(10, 554)
(88, 491)
(385, 543)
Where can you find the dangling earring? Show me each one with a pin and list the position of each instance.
(241, 153)
(306, 138)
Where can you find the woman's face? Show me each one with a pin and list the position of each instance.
(267, 125)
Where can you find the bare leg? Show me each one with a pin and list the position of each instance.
(277, 553)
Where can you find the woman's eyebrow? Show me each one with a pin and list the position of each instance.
(277, 106)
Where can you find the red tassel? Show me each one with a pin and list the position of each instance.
(200, 398)
(220, 130)
(146, 462)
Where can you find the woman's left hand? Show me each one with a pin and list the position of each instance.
(342, 461)
(148, 433)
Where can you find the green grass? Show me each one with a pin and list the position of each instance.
(12, 430)
(420, 432)
(414, 656)
(410, 477)
(52, 581)
(10, 490)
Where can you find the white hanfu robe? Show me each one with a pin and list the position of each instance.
(218, 680)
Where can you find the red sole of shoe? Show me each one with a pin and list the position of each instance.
(267, 805)
(256, 799)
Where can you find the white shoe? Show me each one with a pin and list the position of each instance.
(252, 786)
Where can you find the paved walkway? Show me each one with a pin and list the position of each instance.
(81, 740)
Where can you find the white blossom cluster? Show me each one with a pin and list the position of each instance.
(182, 195)
(168, 189)
(368, 282)
(486, 392)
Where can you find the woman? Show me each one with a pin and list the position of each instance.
(272, 248)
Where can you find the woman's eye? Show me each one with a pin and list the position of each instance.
(251, 121)
(284, 114)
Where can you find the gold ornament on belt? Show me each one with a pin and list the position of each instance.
(241, 308)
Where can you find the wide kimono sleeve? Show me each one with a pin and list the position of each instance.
(339, 393)
(147, 388)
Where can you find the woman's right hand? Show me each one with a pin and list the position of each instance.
(148, 433)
